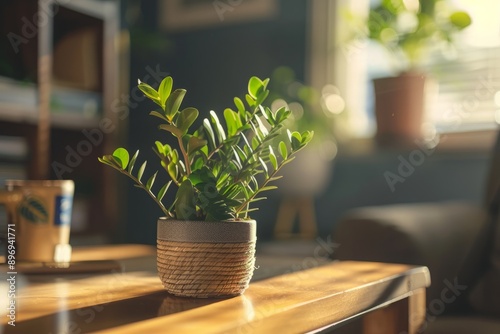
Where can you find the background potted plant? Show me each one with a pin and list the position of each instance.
(409, 31)
(206, 239)
(315, 110)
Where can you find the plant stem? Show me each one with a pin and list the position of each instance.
(216, 150)
(185, 155)
(164, 166)
(247, 202)
(150, 193)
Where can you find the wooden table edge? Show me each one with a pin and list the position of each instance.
(414, 280)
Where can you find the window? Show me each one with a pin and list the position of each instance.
(466, 91)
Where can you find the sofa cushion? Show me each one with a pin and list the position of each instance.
(485, 297)
(448, 238)
(461, 325)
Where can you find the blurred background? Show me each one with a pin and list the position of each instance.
(69, 71)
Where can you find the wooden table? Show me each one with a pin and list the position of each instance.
(390, 297)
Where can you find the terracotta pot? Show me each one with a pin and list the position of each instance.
(205, 259)
(399, 108)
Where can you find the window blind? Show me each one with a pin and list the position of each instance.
(467, 92)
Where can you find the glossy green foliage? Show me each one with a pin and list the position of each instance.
(224, 165)
(410, 29)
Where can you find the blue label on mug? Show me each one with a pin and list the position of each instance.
(63, 210)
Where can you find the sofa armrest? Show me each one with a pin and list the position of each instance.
(449, 238)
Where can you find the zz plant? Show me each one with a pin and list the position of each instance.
(219, 171)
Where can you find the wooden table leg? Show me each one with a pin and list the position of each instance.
(289, 210)
(406, 316)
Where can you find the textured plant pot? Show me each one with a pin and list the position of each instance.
(399, 108)
(205, 259)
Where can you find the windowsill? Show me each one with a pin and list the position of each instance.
(453, 142)
(477, 141)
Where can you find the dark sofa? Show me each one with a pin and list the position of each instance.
(458, 241)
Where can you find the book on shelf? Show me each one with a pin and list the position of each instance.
(17, 94)
(76, 101)
(13, 158)
(12, 171)
(13, 149)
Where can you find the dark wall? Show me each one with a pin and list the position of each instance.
(214, 65)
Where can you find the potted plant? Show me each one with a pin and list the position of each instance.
(409, 31)
(206, 239)
(312, 110)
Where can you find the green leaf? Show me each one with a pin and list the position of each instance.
(221, 134)
(222, 179)
(255, 143)
(108, 160)
(172, 170)
(185, 208)
(283, 150)
(241, 153)
(236, 155)
(202, 176)
(165, 89)
(267, 188)
(258, 134)
(174, 156)
(272, 158)
(239, 104)
(307, 136)
(231, 119)
(460, 19)
(250, 100)
(160, 148)
(247, 144)
(243, 116)
(210, 133)
(265, 82)
(195, 144)
(255, 87)
(262, 128)
(250, 210)
(262, 96)
(275, 178)
(267, 114)
(157, 114)
(174, 102)
(163, 190)
(149, 91)
(122, 157)
(185, 140)
(111, 161)
(172, 129)
(282, 114)
(198, 164)
(186, 118)
(296, 140)
(151, 181)
(181, 166)
(141, 171)
(264, 166)
(132, 162)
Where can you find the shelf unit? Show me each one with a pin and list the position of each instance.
(60, 47)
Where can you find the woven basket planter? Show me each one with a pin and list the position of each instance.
(205, 259)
